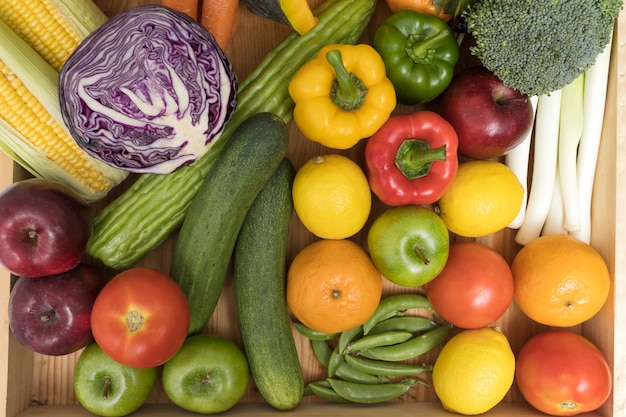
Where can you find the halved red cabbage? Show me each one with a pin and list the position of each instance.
(149, 91)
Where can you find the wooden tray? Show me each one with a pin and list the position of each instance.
(36, 385)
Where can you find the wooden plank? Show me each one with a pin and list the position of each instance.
(612, 170)
(399, 409)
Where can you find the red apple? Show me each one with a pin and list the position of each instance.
(44, 228)
(52, 315)
(490, 118)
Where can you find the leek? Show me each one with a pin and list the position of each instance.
(517, 159)
(554, 220)
(544, 167)
(596, 81)
(570, 132)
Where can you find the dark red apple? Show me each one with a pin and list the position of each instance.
(52, 315)
(490, 118)
(44, 228)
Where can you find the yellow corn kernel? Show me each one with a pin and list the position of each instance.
(24, 112)
(42, 26)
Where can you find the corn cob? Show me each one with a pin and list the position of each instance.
(41, 23)
(35, 41)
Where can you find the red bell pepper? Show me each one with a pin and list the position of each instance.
(412, 158)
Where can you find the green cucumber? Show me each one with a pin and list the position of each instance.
(154, 206)
(259, 280)
(208, 234)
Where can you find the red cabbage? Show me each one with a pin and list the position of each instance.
(149, 91)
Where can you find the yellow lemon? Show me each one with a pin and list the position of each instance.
(331, 196)
(474, 371)
(484, 197)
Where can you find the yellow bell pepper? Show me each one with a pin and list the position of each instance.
(342, 96)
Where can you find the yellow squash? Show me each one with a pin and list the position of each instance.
(295, 13)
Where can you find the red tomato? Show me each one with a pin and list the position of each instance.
(140, 318)
(474, 289)
(562, 373)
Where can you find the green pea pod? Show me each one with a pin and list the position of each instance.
(337, 366)
(412, 348)
(371, 394)
(324, 390)
(347, 337)
(395, 306)
(322, 351)
(309, 333)
(335, 360)
(379, 339)
(413, 324)
(349, 373)
(390, 369)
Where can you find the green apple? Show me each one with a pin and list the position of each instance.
(409, 245)
(209, 374)
(108, 388)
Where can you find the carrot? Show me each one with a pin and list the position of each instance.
(220, 17)
(189, 7)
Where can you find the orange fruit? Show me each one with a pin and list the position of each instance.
(332, 285)
(560, 280)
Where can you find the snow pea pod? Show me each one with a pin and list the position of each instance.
(322, 351)
(412, 348)
(323, 390)
(312, 334)
(371, 394)
(347, 337)
(395, 306)
(335, 360)
(380, 339)
(413, 324)
(377, 367)
(340, 368)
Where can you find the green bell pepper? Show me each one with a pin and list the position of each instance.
(419, 51)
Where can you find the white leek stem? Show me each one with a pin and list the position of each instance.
(596, 81)
(544, 167)
(570, 132)
(554, 220)
(517, 160)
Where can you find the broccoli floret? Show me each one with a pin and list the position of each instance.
(540, 46)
